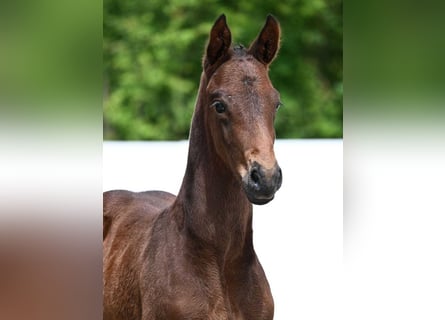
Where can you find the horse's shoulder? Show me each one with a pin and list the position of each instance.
(127, 199)
(130, 207)
(159, 198)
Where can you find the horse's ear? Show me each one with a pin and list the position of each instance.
(219, 43)
(266, 45)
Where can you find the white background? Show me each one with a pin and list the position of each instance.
(298, 236)
(382, 257)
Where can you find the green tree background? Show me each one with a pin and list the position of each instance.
(152, 51)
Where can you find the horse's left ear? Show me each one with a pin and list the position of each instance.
(266, 45)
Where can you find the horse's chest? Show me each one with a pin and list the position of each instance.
(209, 309)
(186, 288)
(216, 303)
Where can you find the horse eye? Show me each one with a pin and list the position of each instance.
(219, 106)
(278, 105)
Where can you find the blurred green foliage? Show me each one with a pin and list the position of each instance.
(152, 53)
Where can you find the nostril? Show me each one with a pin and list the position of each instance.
(255, 176)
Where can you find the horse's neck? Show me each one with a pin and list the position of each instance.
(216, 210)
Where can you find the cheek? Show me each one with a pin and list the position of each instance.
(223, 137)
(220, 136)
(226, 132)
(227, 144)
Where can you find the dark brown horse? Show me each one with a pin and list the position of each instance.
(192, 256)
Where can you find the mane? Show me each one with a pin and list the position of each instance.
(239, 50)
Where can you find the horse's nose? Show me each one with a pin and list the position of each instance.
(260, 184)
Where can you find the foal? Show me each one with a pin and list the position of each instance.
(192, 256)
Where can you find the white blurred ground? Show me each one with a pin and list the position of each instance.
(298, 236)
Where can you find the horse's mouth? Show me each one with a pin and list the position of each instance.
(259, 201)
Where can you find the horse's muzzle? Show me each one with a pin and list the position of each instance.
(260, 184)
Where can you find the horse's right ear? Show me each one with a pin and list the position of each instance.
(266, 45)
(219, 44)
